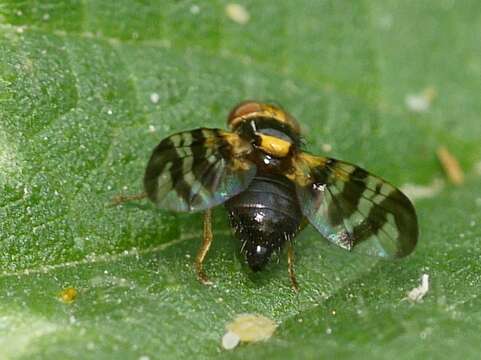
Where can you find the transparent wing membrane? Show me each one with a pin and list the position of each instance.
(196, 170)
(354, 209)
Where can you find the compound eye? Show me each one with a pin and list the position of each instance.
(243, 109)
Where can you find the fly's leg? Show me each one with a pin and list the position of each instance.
(290, 267)
(204, 248)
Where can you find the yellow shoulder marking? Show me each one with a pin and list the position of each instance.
(303, 163)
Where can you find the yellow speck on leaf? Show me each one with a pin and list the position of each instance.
(68, 295)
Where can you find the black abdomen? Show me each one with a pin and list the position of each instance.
(264, 217)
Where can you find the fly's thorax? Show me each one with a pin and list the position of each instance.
(274, 149)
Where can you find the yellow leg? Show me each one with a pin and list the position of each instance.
(121, 199)
(290, 267)
(202, 253)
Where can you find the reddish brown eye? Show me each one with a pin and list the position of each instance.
(252, 109)
(244, 108)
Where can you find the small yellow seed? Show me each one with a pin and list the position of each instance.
(248, 328)
(451, 166)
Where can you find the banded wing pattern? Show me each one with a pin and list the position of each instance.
(354, 209)
(198, 169)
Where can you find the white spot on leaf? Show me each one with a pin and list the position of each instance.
(326, 147)
(194, 9)
(237, 13)
(420, 102)
(415, 192)
(154, 98)
(417, 294)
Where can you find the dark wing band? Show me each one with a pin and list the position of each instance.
(353, 208)
(196, 170)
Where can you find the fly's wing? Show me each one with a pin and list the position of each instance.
(196, 170)
(354, 209)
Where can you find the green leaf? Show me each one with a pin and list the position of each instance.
(88, 88)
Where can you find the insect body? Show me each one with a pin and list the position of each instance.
(271, 189)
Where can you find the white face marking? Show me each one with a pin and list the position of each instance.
(253, 126)
(267, 160)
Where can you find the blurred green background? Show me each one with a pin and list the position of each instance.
(88, 88)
